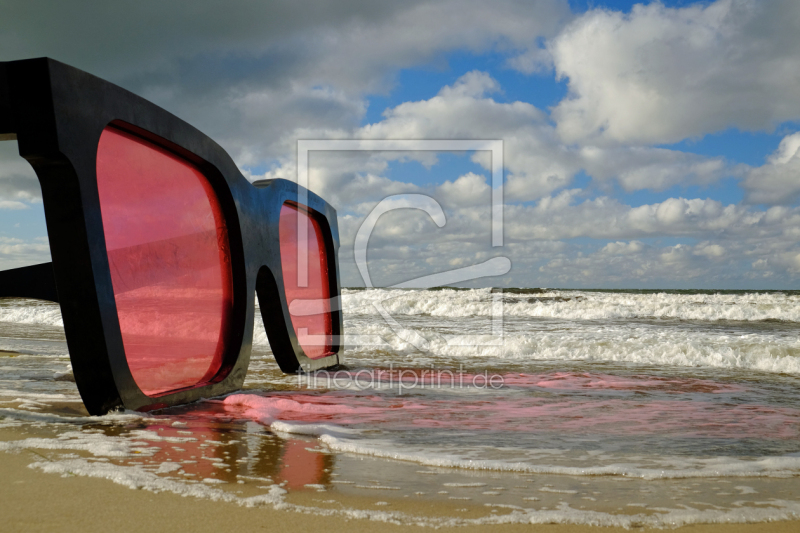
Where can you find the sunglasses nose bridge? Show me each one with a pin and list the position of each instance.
(259, 219)
(274, 316)
(267, 288)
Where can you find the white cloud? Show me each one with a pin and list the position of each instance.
(475, 84)
(636, 168)
(532, 61)
(659, 75)
(679, 266)
(537, 162)
(407, 244)
(623, 248)
(469, 189)
(257, 79)
(777, 181)
(562, 217)
(248, 72)
(736, 246)
(17, 252)
(456, 111)
(18, 182)
(710, 251)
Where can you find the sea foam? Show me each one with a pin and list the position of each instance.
(577, 305)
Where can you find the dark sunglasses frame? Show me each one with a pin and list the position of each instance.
(57, 114)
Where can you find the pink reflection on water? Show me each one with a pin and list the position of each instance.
(702, 415)
(205, 448)
(552, 381)
(586, 380)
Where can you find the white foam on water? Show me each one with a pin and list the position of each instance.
(32, 312)
(576, 305)
(137, 443)
(97, 444)
(598, 341)
(313, 430)
(43, 396)
(568, 305)
(601, 343)
(124, 417)
(168, 466)
(687, 349)
(667, 467)
(594, 342)
(136, 477)
(274, 411)
(266, 411)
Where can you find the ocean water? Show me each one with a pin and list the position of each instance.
(629, 408)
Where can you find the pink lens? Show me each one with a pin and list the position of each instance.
(306, 281)
(168, 252)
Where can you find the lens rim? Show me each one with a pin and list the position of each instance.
(314, 219)
(266, 288)
(286, 348)
(107, 181)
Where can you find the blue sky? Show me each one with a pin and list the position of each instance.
(650, 144)
(543, 91)
(425, 81)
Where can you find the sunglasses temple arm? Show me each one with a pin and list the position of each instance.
(7, 128)
(36, 281)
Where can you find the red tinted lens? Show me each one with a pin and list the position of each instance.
(306, 280)
(168, 252)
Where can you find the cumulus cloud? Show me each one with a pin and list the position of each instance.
(564, 217)
(710, 251)
(676, 265)
(681, 265)
(469, 189)
(641, 167)
(532, 61)
(18, 182)
(407, 244)
(257, 78)
(623, 248)
(547, 243)
(537, 162)
(18, 252)
(246, 72)
(777, 181)
(659, 75)
(735, 245)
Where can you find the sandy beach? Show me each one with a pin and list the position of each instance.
(34, 501)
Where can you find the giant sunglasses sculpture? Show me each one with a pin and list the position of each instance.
(159, 246)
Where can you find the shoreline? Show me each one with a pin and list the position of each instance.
(32, 500)
(208, 467)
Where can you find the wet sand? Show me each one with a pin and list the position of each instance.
(34, 501)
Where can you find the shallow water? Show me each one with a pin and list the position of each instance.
(623, 408)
